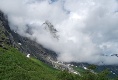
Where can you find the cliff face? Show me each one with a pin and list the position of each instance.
(5, 36)
(25, 45)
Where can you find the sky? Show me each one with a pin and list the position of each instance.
(87, 29)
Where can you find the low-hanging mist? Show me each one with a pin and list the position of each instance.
(87, 29)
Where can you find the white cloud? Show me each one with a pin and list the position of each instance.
(87, 28)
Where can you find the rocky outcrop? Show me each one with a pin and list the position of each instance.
(50, 28)
(5, 36)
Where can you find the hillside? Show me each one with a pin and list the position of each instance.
(23, 44)
(15, 66)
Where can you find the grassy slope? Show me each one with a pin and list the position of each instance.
(15, 66)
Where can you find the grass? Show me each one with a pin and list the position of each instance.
(15, 66)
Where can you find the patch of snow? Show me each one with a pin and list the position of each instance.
(75, 72)
(72, 65)
(28, 55)
(84, 67)
(68, 64)
(20, 44)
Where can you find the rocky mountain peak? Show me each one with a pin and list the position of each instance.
(49, 27)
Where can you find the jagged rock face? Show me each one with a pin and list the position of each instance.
(5, 36)
(24, 44)
(50, 28)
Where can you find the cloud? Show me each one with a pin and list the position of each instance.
(87, 29)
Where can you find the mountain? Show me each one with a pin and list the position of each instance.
(13, 51)
(27, 46)
(23, 44)
(50, 28)
(14, 65)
